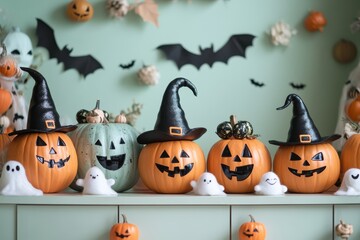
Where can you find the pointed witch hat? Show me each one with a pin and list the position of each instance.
(171, 124)
(302, 128)
(42, 116)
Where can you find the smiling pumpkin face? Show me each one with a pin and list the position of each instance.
(307, 168)
(252, 230)
(80, 10)
(124, 230)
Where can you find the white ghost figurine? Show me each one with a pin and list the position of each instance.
(207, 185)
(350, 184)
(270, 185)
(95, 183)
(14, 182)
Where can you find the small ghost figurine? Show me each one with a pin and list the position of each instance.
(14, 182)
(350, 184)
(95, 183)
(270, 185)
(207, 185)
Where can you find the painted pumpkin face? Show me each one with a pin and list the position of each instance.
(169, 167)
(238, 164)
(80, 10)
(252, 230)
(124, 230)
(307, 168)
(112, 147)
(49, 159)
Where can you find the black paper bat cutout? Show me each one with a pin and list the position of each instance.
(83, 64)
(127, 66)
(257, 84)
(298, 86)
(235, 46)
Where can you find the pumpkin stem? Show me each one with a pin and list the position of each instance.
(252, 218)
(97, 106)
(124, 218)
(233, 120)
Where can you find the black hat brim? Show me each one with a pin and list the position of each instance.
(160, 136)
(322, 140)
(63, 129)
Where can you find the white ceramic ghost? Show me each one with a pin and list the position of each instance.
(350, 184)
(207, 185)
(14, 182)
(95, 183)
(270, 185)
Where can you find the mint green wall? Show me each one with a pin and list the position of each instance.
(223, 89)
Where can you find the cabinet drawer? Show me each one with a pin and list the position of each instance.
(180, 222)
(287, 222)
(65, 222)
(349, 214)
(8, 222)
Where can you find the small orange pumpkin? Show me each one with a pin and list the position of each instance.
(5, 100)
(352, 109)
(350, 154)
(124, 230)
(344, 51)
(80, 10)
(9, 67)
(315, 21)
(252, 230)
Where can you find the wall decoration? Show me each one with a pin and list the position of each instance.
(270, 185)
(124, 230)
(149, 75)
(350, 184)
(306, 162)
(298, 86)
(95, 183)
(235, 46)
(256, 83)
(127, 65)
(207, 185)
(315, 21)
(355, 25)
(344, 230)
(13, 181)
(344, 51)
(281, 33)
(252, 230)
(147, 10)
(85, 65)
(79, 10)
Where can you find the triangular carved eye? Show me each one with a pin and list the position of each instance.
(122, 141)
(61, 142)
(246, 152)
(40, 142)
(98, 143)
(318, 157)
(164, 155)
(184, 154)
(294, 157)
(226, 152)
(112, 146)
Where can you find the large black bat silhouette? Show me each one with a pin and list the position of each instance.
(83, 64)
(235, 46)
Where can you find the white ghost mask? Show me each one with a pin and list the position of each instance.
(95, 183)
(207, 185)
(270, 185)
(14, 182)
(350, 184)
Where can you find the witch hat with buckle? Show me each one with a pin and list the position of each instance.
(171, 124)
(42, 116)
(302, 128)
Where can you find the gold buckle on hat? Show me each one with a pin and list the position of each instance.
(50, 124)
(175, 131)
(305, 138)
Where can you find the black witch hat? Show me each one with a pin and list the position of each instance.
(302, 128)
(171, 124)
(43, 116)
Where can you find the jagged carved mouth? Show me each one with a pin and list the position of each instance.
(248, 234)
(122, 235)
(307, 173)
(241, 172)
(52, 163)
(114, 163)
(171, 173)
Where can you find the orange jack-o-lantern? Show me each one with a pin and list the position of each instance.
(80, 10)
(352, 109)
(124, 230)
(307, 168)
(8, 67)
(169, 167)
(350, 154)
(49, 159)
(252, 230)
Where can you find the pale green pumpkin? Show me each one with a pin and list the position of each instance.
(110, 146)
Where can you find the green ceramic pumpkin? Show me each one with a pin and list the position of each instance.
(110, 146)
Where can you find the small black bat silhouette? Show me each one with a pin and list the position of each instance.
(258, 84)
(83, 64)
(127, 66)
(235, 46)
(17, 116)
(298, 86)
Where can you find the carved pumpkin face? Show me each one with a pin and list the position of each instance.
(80, 10)
(307, 168)
(112, 147)
(49, 159)
(252, 230)
(238, 164)
(169, 167)
(124, 230)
